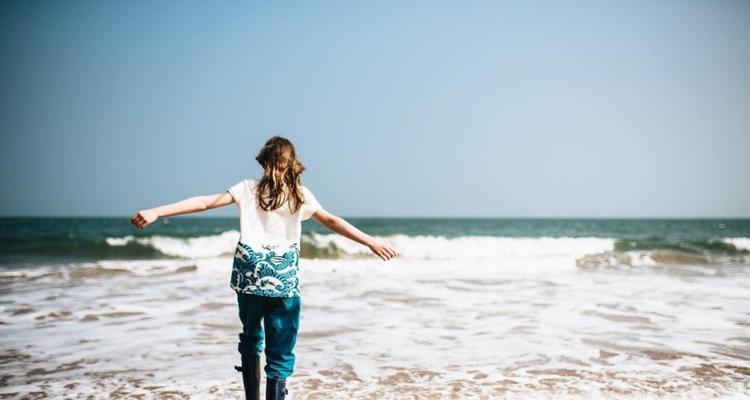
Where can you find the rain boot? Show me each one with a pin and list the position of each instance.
(276, 389)
(250, 375)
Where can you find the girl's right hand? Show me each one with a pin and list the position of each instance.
(382, 250)
(144, 218)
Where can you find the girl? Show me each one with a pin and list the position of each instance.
(266, 259)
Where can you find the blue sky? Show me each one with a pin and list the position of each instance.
(593, 109)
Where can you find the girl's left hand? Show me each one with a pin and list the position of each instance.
(144, 218)
(382, 250)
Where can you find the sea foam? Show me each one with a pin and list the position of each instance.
(741, 243)
(190, 247)
(418, 247)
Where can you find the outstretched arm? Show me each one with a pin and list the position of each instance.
(344, 228)
(145, 217)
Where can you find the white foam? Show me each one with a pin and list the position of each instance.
(456, 319)
(483, 253)
(474, 247)
(119, 241)
(192, 247)
(521, 253)
(741, 243)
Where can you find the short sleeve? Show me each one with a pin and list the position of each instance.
(311, 205)
(238, 191)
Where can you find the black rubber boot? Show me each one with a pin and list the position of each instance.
(250, 375)
(276, 390)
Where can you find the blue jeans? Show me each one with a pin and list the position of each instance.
(280, 317)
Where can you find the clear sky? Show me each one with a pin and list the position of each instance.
(404, 108)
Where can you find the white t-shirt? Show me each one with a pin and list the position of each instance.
(267, 256)
(279, 227)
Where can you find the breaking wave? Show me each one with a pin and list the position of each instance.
(191, 247)
(461, 248)
(582, 251)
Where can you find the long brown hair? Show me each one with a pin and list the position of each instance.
(281, 175)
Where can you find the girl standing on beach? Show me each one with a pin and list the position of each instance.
(266, 259)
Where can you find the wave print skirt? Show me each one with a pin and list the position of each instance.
(265, 272)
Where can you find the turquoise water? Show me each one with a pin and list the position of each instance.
(31, 241)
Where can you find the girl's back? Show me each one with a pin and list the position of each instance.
(280, 228)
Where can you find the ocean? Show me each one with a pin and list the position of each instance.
(471, 308)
